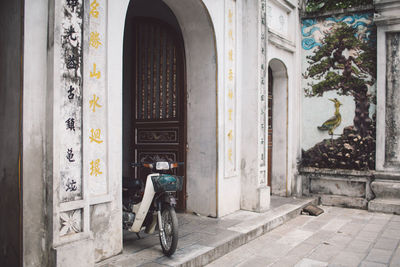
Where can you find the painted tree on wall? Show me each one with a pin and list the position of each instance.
(327, 5)
(346, 64)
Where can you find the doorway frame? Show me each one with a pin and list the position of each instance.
(279, 175)
(177, 36)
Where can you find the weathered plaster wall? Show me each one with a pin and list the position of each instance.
(201, 66)
(254, 191)
(392, 145)
(225, 16)
(37, 114)
(106, 217)
(10, 139)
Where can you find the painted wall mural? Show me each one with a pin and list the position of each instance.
(339, 74)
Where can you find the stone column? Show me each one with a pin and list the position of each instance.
(388, 86)
(387, 179)
(255, 194)
(86, 122)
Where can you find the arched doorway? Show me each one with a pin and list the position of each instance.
(154, 89)
(192, 19)
(278, 127)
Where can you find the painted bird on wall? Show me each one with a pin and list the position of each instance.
(334, 121)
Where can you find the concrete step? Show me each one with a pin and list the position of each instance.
(344, 201)
(386, 188)
(203, 240)
(386, 205)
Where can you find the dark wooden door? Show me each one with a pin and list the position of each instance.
(159, 99)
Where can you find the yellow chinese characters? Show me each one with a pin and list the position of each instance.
(230, 93)
(230, 75)
(230, 55)
(93, 103)
(95, 73)
(230, 33)
(95, 40)
(230, 15)
(230, 135)
(230, 114)
(230, 153)
(95, 136)
(93, 9)
(95, 167)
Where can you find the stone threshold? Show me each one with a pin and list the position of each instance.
(203, 240)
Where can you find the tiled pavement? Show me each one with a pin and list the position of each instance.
(338, 237)
(202, 239)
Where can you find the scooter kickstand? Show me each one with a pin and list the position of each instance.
(137, 234)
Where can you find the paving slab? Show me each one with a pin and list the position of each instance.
(386, 243)
(371, 264)
(359, 246)
(311, 263)
(395, 261)
(379, 255)
(295, 237)
(347, 259)
(325, 252)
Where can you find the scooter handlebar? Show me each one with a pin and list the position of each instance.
(139, 164)
(151, 165)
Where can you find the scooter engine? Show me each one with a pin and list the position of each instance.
(127, 219)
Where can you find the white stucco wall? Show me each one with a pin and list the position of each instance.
(228, 187)
(36, 159)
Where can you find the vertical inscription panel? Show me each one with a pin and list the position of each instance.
(262, 92)
(230, 89)
(95, 101)
(70, 99)
(392, 138)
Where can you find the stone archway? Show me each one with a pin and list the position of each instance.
(279, 182)
(201, 73)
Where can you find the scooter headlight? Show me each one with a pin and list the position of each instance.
(162, 165)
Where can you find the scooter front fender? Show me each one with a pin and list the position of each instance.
(144, 205)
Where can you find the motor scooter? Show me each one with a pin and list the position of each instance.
(153, 204)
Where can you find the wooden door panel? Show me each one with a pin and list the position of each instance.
(158, 135)
(159, 119)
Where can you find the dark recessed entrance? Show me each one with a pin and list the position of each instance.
(154, 90)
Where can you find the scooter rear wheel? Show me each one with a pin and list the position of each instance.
(169, 235)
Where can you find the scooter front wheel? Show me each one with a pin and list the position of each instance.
(169, 233)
